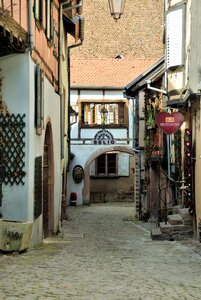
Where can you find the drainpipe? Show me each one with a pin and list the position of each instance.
(135, 150)
(68, 58)
(30, 34)
(68, 70)
(169, 142)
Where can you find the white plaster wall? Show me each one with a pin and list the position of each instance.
(15, 73)
(91, 95)
(36, 143)
(18, 93)
(82, 152)
(116, 132)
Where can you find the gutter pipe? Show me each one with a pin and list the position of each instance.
(134, 148)
(68, 58)
(169, 142)
(68, 71)
(30, 34)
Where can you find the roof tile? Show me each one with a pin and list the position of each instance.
(107, 72)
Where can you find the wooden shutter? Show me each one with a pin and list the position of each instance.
(93, 168)
(36, 10)
(123, 164)
(39, 99)
(175, 37)
(48, 16)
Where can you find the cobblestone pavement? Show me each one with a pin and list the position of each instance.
(102, 255)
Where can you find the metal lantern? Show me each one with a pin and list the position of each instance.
(116, 8)
(104, 114)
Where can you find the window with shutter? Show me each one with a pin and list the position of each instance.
(38, 12)
(92, 114)
(123, 164)
(105, 165)
(175, 37)
(49, 20)
(39, 99)
(48, 15)
(55, 38)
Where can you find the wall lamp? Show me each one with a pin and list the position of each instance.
(116, 8)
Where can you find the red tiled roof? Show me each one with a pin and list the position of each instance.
(107, 72)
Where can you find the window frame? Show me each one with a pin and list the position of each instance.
(108, 158)
(91, 111)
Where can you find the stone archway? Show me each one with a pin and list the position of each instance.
(86, 187)
(48, 183)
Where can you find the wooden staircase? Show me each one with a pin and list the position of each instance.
(179, 226)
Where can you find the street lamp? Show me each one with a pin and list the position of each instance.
(116, 8)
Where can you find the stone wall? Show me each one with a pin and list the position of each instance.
(138, 33)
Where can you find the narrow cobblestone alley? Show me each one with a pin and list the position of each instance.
(102, 255)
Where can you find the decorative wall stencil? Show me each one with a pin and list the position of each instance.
(12, 142)
(103, 137)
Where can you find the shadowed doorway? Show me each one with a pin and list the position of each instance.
(48, 184)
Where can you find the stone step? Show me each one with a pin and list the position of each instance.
(176, 208)
(188, 222)
(175, 219)
(181, 227)
(183, 212)
(165, 227)
(156, 234)
(179, 235)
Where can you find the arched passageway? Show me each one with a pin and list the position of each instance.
(92, 157)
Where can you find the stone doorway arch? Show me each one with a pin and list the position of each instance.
(48, 183)
(86, 184)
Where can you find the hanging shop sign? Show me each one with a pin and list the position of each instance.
(78, 174)
(103, 137)
(169, 123)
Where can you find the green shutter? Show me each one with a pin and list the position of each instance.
(38, 103)
(36, 9)
(48, 19)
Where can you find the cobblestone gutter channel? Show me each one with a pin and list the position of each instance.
(102, 255)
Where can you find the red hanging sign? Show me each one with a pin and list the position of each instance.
(169, 123)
